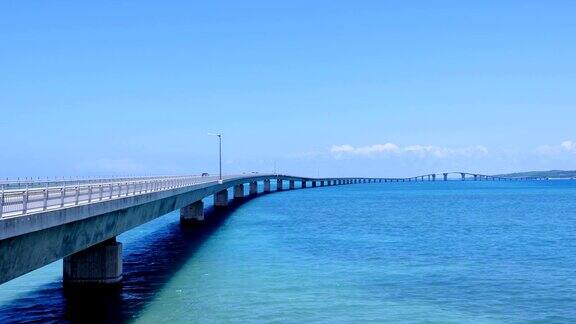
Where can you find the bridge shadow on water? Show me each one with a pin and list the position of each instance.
(146, 271)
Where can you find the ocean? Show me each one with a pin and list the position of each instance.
(434, 252)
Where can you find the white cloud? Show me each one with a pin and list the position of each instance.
(377, 148)
(340, 151)
(568, 145)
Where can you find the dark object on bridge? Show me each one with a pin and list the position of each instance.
(205, 174)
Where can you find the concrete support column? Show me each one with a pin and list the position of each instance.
(253, 188)
(192, 214)
(322, 183)
(96, 265)
(463, 176)
(292, 185)
(221, 198)
(239, 191)
(433, 177)
(445, 176)
(313, 184)
(304, 183)
(475, 177)
(279, 185)
(267, 185)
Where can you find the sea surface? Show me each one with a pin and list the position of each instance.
(433, 252)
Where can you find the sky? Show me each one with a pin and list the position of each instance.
(329, 88)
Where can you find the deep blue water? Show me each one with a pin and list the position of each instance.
(493, 252)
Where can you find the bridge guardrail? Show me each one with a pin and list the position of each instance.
(17, 202)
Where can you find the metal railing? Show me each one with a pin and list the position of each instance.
(21, 201)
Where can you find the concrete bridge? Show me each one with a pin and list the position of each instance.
(460, 175)
(44, 221)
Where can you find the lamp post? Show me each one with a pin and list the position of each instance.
(219, 153)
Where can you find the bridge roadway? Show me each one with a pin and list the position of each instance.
(79, 222)
(44, 221)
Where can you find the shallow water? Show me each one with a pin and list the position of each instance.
(412, 252)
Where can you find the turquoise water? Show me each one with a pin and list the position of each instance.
(477, 252)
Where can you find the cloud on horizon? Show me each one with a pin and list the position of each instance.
(567, 146)
(391, 149)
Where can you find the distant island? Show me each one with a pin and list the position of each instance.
(552, 174)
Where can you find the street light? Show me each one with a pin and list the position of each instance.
(219, 153)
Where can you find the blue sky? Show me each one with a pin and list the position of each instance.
(383, 88)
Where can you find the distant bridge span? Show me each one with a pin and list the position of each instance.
(44, 221)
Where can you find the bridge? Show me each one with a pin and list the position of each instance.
(78, 221)
(461, 175)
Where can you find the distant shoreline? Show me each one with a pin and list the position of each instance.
(551, 174)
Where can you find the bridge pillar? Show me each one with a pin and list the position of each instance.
(192, 214)
(239, 191)
(445, 176)
(304, 183)
(475, 177)
(96, 265)
(292, 185)
(253, 188)
(221, 198)
(313, 184)
(322, 183)
(267, 185)
(433, 177)
(279, 185)
(463, 176)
